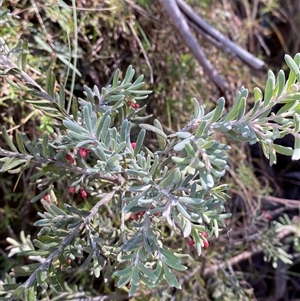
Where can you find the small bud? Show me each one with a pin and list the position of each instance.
(206, 244)
(133, 145)
(268, 216)
(204, 234)
(72, 190)
(83, 194)
(70, 158)
(190, 242)
(133, 216)
(134, 105)
(69, 261)
(50, 198)
(83, 152)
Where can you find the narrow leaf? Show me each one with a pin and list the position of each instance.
(284, 150)
(101, 122)
(198, 109)
(187, 227)
(116, 78)
(174, 265)
(182, 210)
(218, 110)
(293, 66)
(75, 127)
(269, 91)
(153, 129)
(148, 273)
(139, 142)
(50, 82)
(296, 152)
(280, 82)
(8, 140)
(170, 277)
(161, 141)
(45, 146)
(25, 270)
(296, 123)
(240, 100)
(129, 75)
(87, 117)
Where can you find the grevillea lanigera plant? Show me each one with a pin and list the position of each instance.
(174, 188)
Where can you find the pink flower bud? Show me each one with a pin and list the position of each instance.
(70, 158)
(133, 145)
(72, 190)
(134, 105)
(83, 152)
(133, 216)
(206, 244)
(190, 242)
(83, 194)
(268, 216)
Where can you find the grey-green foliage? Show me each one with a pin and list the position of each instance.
(6, 17)
(179, 183)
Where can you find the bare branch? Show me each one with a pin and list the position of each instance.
(182, 26)
(221, 41)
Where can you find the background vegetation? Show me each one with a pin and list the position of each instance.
(85, 42)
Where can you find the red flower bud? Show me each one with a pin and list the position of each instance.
(134, 105)
(83, 194)
(204, 234)
(133, 145)
(268, 216)
(133, 216)
(83, 152)
(69, 261)
(190, 242)
(206, 244)
(70, 158)
(72, 190)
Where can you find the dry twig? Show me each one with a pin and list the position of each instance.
(182, 26)
(182, 15)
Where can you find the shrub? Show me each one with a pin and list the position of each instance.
(142, 195)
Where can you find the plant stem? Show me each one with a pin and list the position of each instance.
(67, 241)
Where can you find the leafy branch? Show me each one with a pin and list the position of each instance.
(27, 288)
(178, 182)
